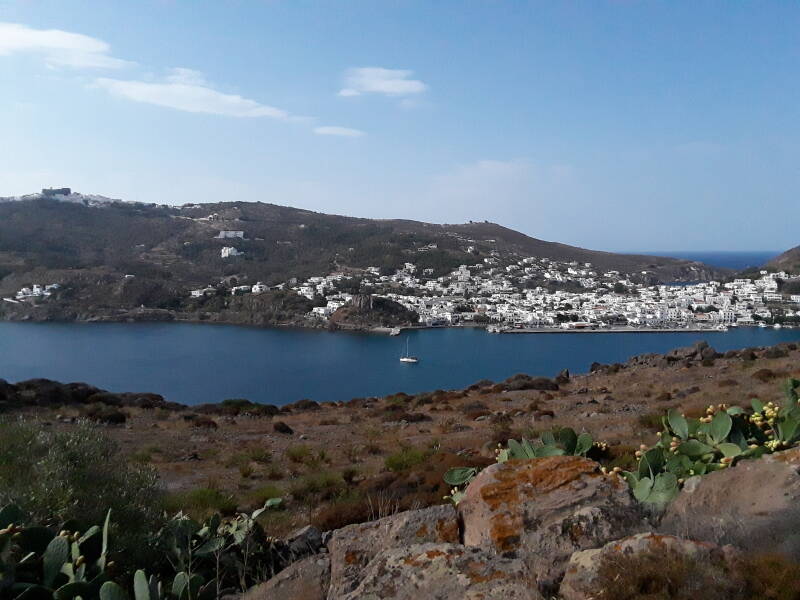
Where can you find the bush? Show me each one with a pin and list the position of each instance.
(102, 413)
(651, 420)
(324, 485)
(405, 459)
(342, 512)
(200, 503)
(299, 454)
(259, 455)
(260, 495)
(56, 475)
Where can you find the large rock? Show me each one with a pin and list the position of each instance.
(546, 509)
(644, 559)
(754, 506)
(307, 540)
(305, 579)
(353, 547)
(444, 572)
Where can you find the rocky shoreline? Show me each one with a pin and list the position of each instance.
(159, 315)
(46, 393)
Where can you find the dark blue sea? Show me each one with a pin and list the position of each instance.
(208, 363)
(738, 261)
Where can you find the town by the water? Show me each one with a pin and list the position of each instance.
(504, 299)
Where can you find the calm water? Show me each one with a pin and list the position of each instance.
(738, 261)
(208, 363)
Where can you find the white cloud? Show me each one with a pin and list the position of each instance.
(58, 48)
(377, 80)
(187, 90)
(335, 130)
(186, 76)
(181, 88)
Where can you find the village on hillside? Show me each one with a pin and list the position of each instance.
(515, 294)
(510, 298)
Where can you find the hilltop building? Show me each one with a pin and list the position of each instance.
(227, 235)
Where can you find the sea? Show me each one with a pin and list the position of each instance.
(199, 363)
(738, 261)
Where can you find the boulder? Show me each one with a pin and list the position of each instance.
(281, 427)
(305, 579)
(546, 509)
(590, 572)
(775, 352)
(708, 353)
(443, 572)
(687, 352)
(754, 506)
(353, 547)
(306, 540)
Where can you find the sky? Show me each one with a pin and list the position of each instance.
(615, 125)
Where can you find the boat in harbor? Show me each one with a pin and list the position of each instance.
(394, 331)
(407, 358)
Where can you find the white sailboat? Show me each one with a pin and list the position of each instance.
(408, 358)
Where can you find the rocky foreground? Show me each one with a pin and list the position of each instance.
(556, 527)
(367, 475)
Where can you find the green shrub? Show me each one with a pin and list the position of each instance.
(200, 503)
(299, 454)
(260, 495)
(651, 420)
(405, 459)
(323, 485)
(259, 455)
(55, 475)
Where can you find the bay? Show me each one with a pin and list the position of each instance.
(197, 363)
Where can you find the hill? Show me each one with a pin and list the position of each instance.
(115, 255)
(788, 261)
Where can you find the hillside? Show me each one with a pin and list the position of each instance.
(280, 242)
(788, 261)
(89, 244)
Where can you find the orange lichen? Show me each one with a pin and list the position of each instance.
(518, 481)
(475, 571)
(534, 477)
(352, 557)
(447, 530)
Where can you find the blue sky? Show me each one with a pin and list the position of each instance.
(613, 125)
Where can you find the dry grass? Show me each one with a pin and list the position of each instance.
(668, 575)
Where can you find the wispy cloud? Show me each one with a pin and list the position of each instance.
(187, 90)
(340, 131)
(58, 48)
(377, 80)
(181, 88)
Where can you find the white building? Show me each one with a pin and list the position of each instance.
(229, 251)
(226, 235)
